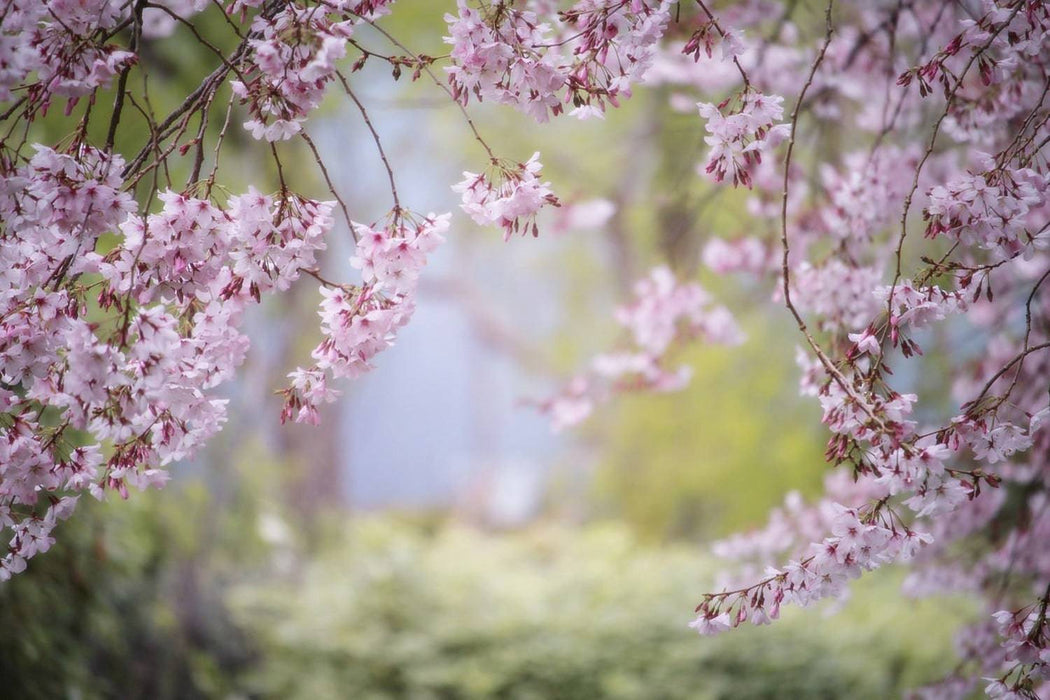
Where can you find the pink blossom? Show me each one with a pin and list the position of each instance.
(664, 312)
(738, 139)
(511, 197)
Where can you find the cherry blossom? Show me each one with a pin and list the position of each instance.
(511, 196)
(664, 313)
(737, 139)
(587, 56)
(291, 64)
(360, 322)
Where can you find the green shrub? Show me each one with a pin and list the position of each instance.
(390, 612)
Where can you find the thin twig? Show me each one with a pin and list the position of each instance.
(375, 137)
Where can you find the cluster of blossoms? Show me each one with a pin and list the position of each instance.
(910, 486)
(665, 314)
(587, 56)
(737, 139)
(498, 61)
(291, 56)
(59, 48)
(859, 542)
(96, 403)
(291, 64)
(749, 255)
(1007, 215)
(998, 44)
(837, 292)
(192, 248)
(863, 194)
(118, 319)
(359, 322)
(510, 196)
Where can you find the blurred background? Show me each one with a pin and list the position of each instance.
(433, 538)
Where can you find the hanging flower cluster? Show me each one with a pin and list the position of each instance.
(360, 322)
(98, 406)
(587, 56)
(509, 196)
(663, 315)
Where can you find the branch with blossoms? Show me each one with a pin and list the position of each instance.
(663, 317)
(913, 486)
(935, 481)
(123, 293)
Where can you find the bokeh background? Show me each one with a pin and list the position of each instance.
(433, 538)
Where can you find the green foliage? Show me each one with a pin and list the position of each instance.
(126, 605)
(391, 612)
(141, 601)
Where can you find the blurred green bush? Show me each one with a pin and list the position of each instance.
(168, 596)
(390, 611)
(126, 605)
